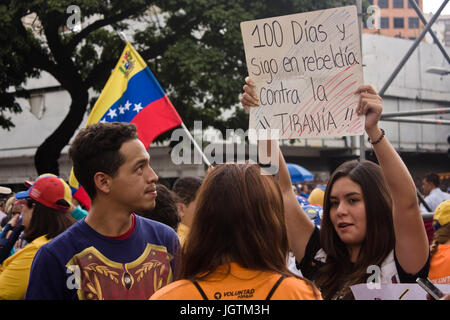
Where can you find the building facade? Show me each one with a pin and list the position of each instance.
(441, 28)
(395, 18)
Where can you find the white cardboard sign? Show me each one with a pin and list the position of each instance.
(400, 291)
(306, 67)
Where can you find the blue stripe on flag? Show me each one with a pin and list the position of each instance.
(142, 89)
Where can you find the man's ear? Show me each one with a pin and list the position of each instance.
(102, 182)
(181, 209)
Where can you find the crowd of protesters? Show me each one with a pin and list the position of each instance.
(234, 234)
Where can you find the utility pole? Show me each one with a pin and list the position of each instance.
(362, 146)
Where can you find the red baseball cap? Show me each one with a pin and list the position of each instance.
(50, 191)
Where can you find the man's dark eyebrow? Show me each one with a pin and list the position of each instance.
(141, 161)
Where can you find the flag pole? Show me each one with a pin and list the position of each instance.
(124, 39)
(195, 144)
(122, 36)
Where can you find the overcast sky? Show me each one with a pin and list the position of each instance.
(431, 6)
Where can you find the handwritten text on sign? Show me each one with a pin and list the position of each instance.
(306, 67)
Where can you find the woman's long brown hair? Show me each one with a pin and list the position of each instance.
(239, 218)
(338, 274)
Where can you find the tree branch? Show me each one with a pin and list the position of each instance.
(159, 48)
(39, 59)
(101, 23)
(99, 72)
(65, 70)
(103, 68)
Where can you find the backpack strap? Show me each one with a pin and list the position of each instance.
(275, 287)
(200, 290)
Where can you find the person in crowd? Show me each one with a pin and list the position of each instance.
(45, 215)
(112, 253)
(186, 189)
(440, 247)
(237, 242)
(12, 207)
(434, 195)
(9, 236)
(4, 195)
(306, 189)
(370, 216)
(12, 229)
(75, 211)
(165, 210)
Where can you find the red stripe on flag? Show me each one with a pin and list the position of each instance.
(156, 118)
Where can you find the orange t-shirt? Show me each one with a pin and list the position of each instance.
(238, 284)
(440, 265)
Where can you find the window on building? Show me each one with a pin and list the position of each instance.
(413, 23)
(398, 3)
(383, 3)
(412, 38)
(384, 22)
(399, 23)
(409, 4)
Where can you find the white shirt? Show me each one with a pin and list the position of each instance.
(435, 198)
(292, 266)
(387, 273)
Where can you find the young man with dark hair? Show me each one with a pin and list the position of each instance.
(112, 253)
(434, 195)
(186, 189)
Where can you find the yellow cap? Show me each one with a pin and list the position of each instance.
(316, 197)
(442, 213)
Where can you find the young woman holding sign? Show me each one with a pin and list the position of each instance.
(371, 230)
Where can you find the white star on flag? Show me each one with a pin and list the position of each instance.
(103, 120)
(112, 113)
(127, 105)
(121, 110)
(137, 107)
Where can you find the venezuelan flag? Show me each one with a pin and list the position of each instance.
(132, 94)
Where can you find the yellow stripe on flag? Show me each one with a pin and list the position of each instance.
(73, 182)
